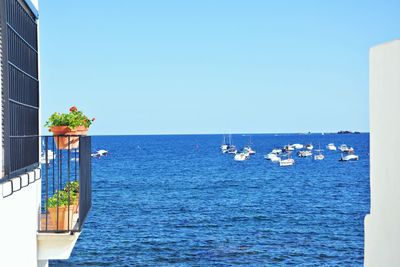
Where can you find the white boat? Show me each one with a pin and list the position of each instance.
(286, 162)
(275, 159)
(298, 146)
(231, 148)
(350, 150)
(50, 156)
(276, 151)
(319, 156)
(270, 155)
(249, 150)
(350, 157)
(331, 146)
(241, 156)
(309, 147)
(289, 148)
(344, 148)
(224, 147)
(304, 153)
(100, 153)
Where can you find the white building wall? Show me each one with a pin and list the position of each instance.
(19, 223)
(382, 225)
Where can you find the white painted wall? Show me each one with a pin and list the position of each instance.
(382, 225)
(19, 223)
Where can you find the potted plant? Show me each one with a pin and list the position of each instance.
(67, 127)
(60, 208)
(73, 187)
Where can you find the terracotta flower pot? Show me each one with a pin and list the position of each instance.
(67, 142)
(82, 130)
(63, 223)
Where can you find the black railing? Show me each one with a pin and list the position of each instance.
(66, 183)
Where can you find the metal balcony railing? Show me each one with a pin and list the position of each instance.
(66, 183)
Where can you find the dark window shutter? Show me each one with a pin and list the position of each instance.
(20, 84)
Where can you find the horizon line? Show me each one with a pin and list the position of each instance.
(257, 133)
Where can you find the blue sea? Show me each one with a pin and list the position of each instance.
(176, 200)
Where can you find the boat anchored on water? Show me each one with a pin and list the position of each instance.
(99, 153)
(350, 157)
(273, 157)
(228, 147)
(286, 162)
(298, 146)
(309, 147)
(276, 151)
(224, 147)
(248, 149)
(50, 156)
(232, 149)
(304, 153)
(344, 148)
(288, 148)
(331, 146)
(319, 156)
(242, 156)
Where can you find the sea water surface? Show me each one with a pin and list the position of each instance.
(177, 201)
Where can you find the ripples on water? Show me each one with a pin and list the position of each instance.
(177, 201)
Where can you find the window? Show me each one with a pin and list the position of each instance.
(20, 88)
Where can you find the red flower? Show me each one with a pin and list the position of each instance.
(73, 108)
(93, 119)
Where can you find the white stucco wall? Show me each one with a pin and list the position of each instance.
(19, 223)
(382, 225)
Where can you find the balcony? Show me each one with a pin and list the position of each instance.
(66, 194)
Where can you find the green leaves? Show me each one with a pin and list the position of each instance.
(61, 199)
(73, 187)
(73, 119)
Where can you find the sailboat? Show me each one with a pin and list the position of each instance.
(287, 162)
(231, 148)
(248, 149)
(224, 146)
(319, 156)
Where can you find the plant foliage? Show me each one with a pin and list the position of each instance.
(73, 119)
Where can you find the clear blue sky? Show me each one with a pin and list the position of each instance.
(155, 67)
